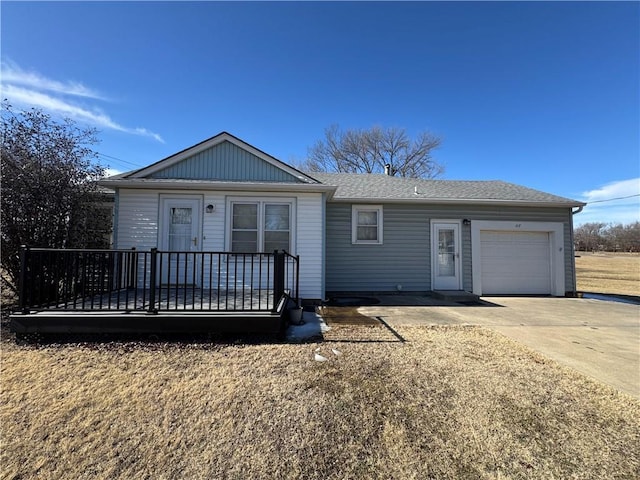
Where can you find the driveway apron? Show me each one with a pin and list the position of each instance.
(599, 338)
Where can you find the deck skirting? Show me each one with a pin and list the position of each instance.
(51, 321)
(121, 322)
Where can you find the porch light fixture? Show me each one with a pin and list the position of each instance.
(466, 221)
(211, 208)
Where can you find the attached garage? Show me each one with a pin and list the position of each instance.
(511, 258)
(515, 262)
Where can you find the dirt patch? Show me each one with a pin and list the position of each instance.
(346, 316)
(347, 324)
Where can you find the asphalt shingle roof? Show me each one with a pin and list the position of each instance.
(378, 187)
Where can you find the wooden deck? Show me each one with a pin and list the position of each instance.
(179, 320)
(131, 291)
(173, 299)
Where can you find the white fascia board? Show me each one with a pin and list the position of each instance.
(161, 184)
(213, 141)
(462, 201)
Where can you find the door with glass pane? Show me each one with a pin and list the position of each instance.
(445, 252)
(180, 235)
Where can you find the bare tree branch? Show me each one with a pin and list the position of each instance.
(596, 236)
(369, 151)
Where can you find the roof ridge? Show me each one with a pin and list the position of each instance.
(381, 187)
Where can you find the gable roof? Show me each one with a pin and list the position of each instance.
(224, 161)
(210, 160)
(384, 188)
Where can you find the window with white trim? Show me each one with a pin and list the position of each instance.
(366, 224)
(260, 226)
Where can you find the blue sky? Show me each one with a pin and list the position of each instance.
(543, 94)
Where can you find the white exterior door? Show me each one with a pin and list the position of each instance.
(445, 256)
(180, 234)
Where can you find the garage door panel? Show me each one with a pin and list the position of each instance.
(515, 262)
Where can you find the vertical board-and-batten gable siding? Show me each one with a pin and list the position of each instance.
(225, 162)
(405, 256)
(138, 227)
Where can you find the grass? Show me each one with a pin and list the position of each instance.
(451, 402)
(604, 272)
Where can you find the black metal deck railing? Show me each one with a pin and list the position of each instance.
(154, 281)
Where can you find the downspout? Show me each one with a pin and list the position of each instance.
(574, 293)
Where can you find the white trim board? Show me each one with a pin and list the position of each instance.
(556, 245)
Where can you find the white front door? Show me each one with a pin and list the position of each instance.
(445, 256)
(180, 235)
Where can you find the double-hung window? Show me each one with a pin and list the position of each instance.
(260, 225)
(366, 224)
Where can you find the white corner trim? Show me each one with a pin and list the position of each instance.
(556, 240)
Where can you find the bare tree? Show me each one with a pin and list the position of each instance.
(50, 197)
(610, 237)
(370, 151)
(589, 236)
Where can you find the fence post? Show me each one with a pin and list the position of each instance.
(278, 277)
(152, 281)
(298, 279)
(22, 296)
(132, 268)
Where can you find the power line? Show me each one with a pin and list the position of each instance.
(118, 159)
(612, 199)
(138, 166)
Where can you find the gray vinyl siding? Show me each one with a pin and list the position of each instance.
(225, 162)
(404, 258)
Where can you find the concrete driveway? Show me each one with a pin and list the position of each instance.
(598, 338)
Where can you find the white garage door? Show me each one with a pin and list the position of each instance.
(515, 262)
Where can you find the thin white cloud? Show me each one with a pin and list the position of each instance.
(621, 188)
(144, 131)
(624, 210)
(14, 75)
(29, 89)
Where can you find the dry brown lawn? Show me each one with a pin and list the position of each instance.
(608, 273)
(451, 402)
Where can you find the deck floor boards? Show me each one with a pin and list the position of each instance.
(180, 299)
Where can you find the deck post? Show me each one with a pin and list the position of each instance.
(152, 281)
(22, 296)
(132, 269)
(278, 277)
(298, 279)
